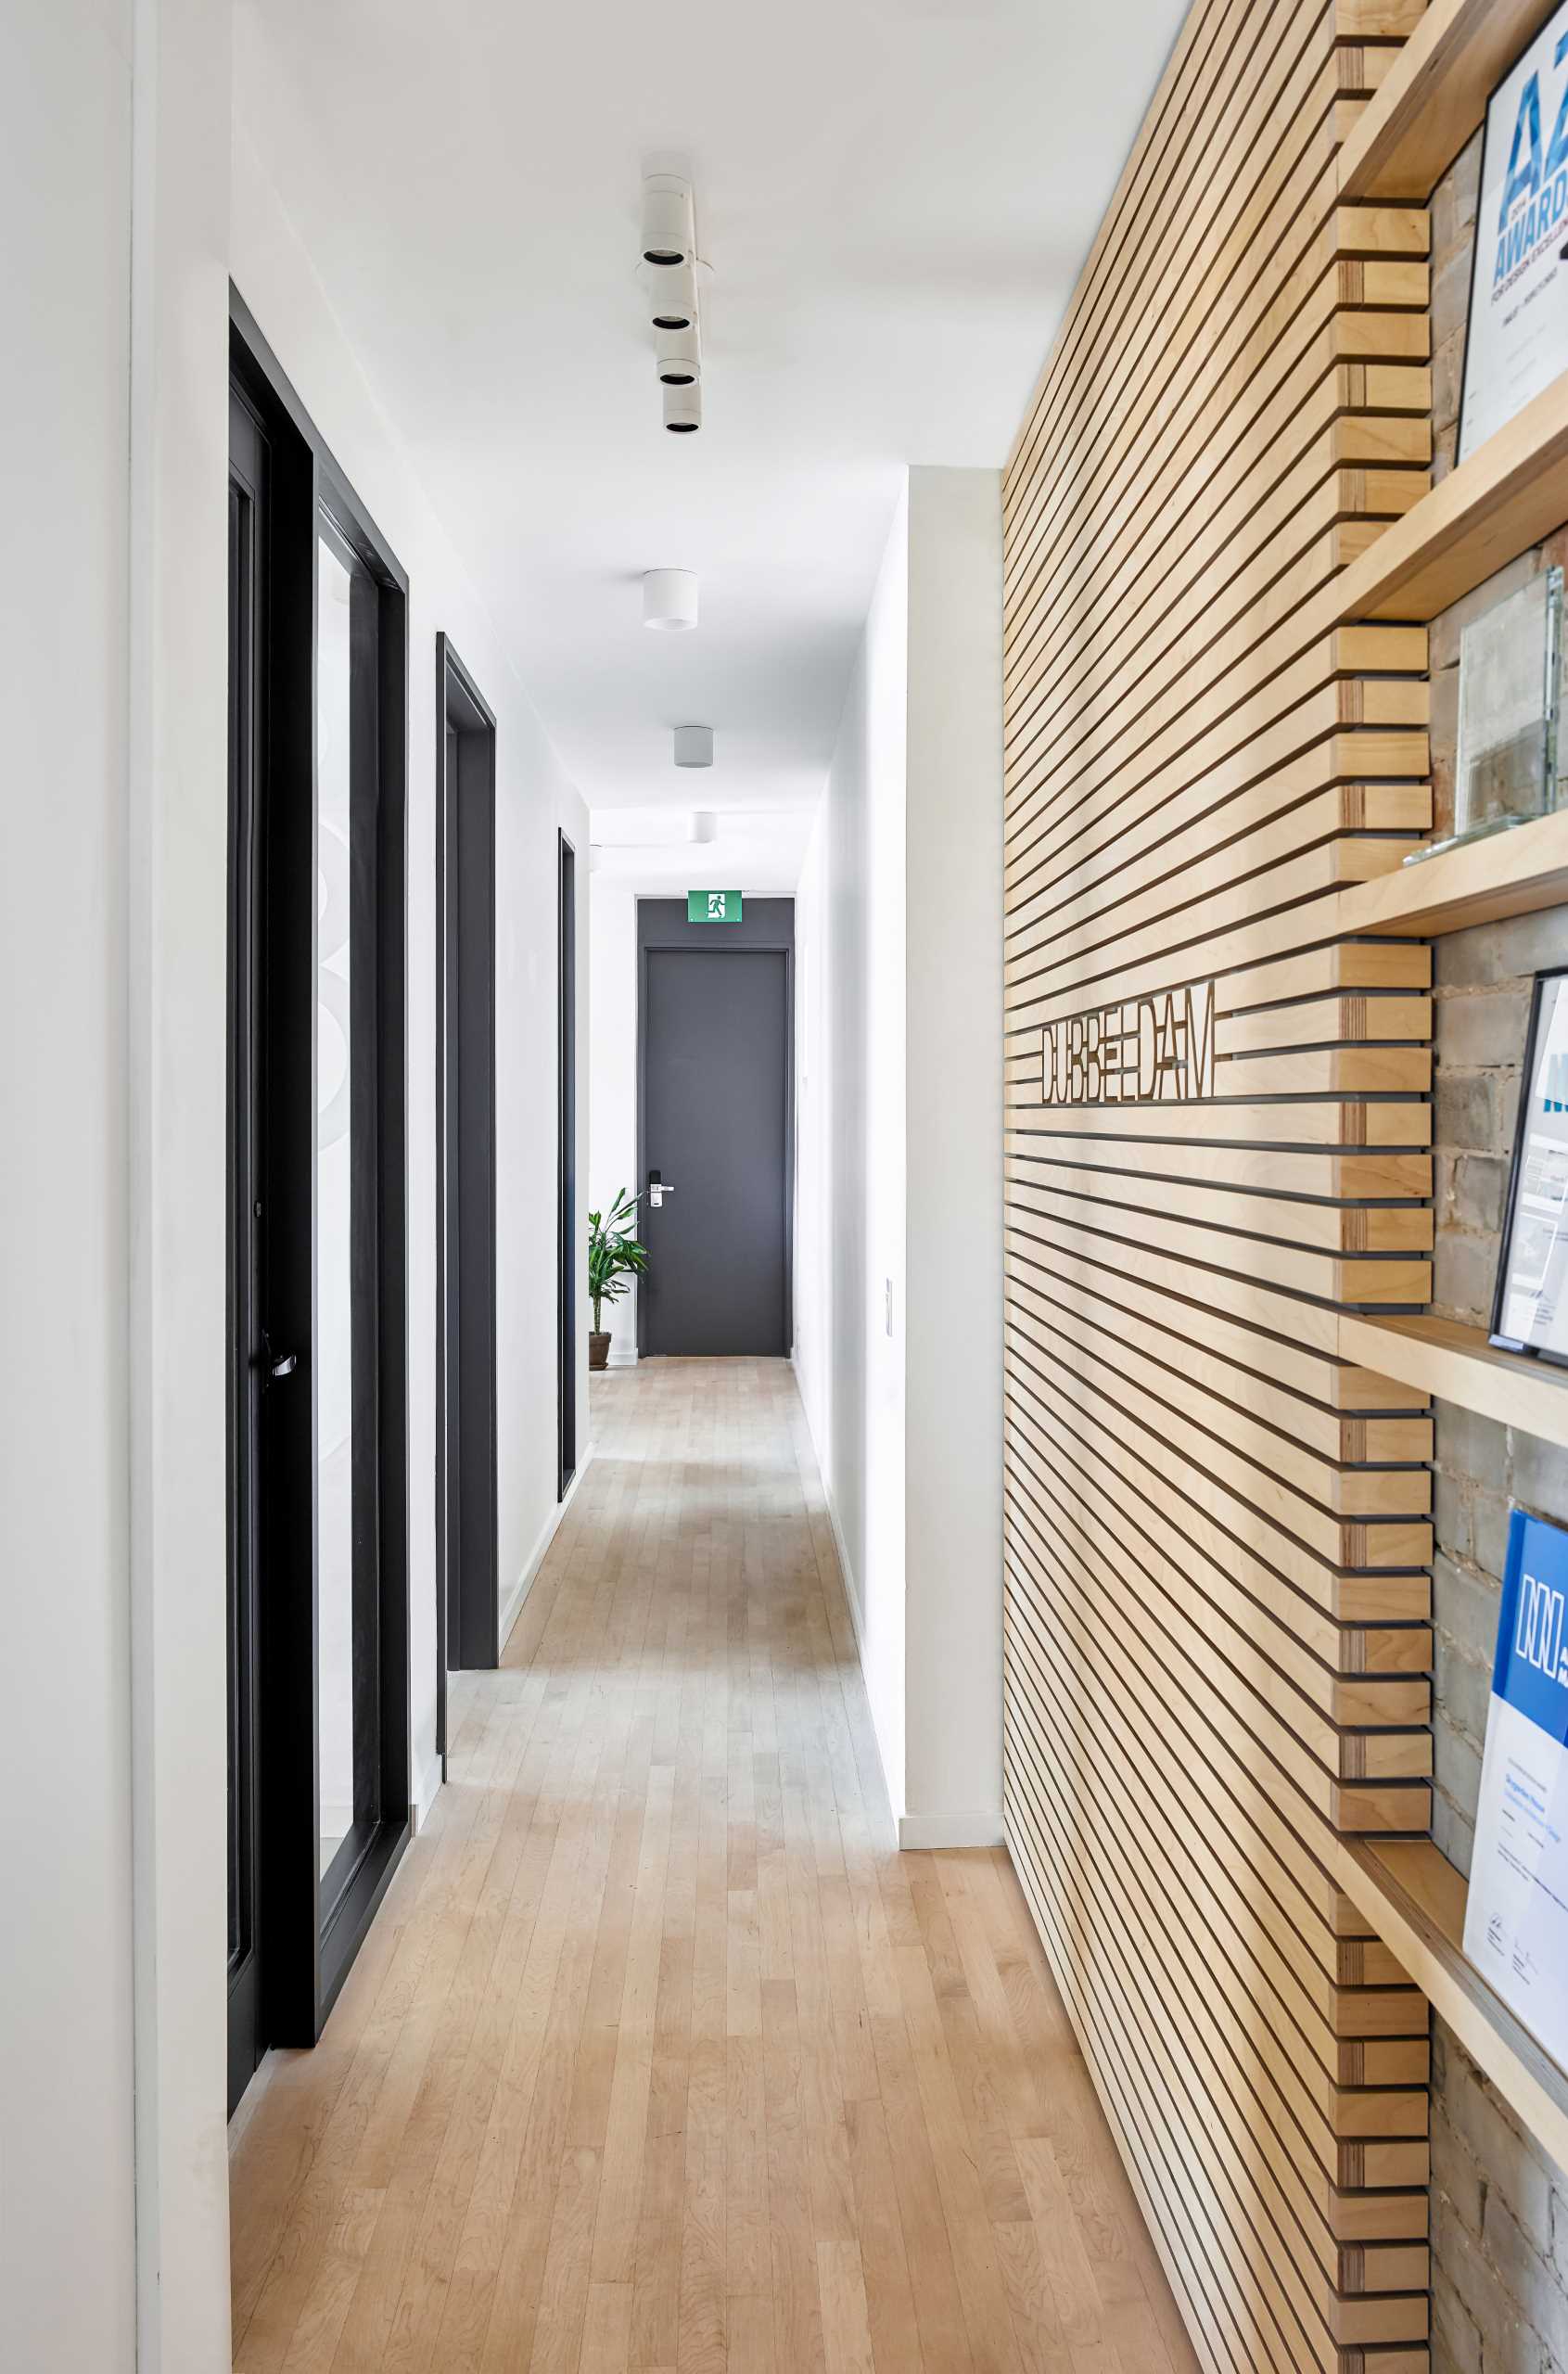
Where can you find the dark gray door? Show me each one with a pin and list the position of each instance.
(715, 1141)
(468, 1554)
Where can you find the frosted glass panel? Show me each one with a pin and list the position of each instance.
(333, 1329)
(1510, 660)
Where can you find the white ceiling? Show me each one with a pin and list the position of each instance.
(895, 196)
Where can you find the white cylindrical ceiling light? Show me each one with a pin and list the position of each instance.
(694, 746)
(679, 357)
(670, 599)
(672, 296)
(666, 221)
(683, 409)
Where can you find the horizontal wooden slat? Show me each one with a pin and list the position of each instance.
(1355, 1568)
(1243, 902)
(1348, 1020)
(1120, 1356)
(1387, 1278)
(1201, 1510)
(1396, 1126)
(1302, 1402)
(1296, 1342)
(1317, 1172)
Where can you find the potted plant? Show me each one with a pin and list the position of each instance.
(614, 1257)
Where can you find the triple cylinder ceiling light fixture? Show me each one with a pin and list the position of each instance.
(669, 271)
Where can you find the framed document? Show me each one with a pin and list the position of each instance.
(1516, 1919)
(1518, 337)
(1530, 1311)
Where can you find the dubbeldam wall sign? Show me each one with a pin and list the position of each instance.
(1141, 1051)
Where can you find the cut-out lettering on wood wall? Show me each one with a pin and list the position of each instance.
(1140, 1051)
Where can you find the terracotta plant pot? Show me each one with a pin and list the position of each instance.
(599, 1349)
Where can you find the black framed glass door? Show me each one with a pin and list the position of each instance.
(568, 1253)
(319, 1785)
(247, 576)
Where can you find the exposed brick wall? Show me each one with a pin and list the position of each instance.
(1499, 2230)
(1499, 2211)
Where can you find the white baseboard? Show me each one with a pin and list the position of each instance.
(919, 1830)
(426, 1789)
(623, 1359)
(916, 1831)
(512, 1607)
(847, 1574)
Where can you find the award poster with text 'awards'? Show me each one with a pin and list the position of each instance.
(1516, 1922)
(1518, 338)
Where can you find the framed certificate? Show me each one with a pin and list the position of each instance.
(1530, 1311)
(1516, 1916)
(1518, 337)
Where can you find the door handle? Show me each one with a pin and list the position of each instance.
(657, 1190)
(274, 1366)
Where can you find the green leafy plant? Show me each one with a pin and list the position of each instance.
(613, 1255)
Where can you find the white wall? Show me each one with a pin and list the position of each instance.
(533, 799)
(899, 1154)
(849, 1249)
(954, 1187)
(67, 2235)
(612, 1074)
(178, 894)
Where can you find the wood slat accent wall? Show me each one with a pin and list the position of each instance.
(1217, 1533)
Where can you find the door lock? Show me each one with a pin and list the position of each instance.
(657, 1190)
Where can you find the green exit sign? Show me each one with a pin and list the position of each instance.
(713, 906)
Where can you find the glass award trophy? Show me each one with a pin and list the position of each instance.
(1510, 671)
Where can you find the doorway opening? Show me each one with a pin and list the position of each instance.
(567, 1262)
(715, 1129)
(317, 1388)
(468, 1554)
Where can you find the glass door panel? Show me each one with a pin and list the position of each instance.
(336, 1633)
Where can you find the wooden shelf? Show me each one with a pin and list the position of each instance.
(1439, 1358)
(1415, 1900)
(1509, 494)
(1434, 97)
(1508, 873)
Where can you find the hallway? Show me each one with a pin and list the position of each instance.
(659, 2054)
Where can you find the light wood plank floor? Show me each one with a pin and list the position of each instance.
(660, 2055)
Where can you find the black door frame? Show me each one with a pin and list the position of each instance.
(567, 1249)
(766, 926)
(467, 1523)
(306, 1956)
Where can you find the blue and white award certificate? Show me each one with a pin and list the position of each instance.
(1516, 1922)
(1518, 337)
